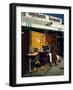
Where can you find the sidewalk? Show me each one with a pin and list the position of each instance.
(47, 70)
(56, 70)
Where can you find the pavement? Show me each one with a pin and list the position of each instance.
(46, 70)
(56, 70)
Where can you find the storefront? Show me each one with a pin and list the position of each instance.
(38, 29)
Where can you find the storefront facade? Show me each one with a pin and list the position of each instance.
(37, 29)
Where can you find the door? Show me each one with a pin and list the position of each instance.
(52, 41)
(60, 45)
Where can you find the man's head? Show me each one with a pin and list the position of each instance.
(46, 43)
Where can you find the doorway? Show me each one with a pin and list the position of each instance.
(52, 41)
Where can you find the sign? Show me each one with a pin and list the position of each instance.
(54, 19)
(37, 15)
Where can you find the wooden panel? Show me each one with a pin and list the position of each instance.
(52, 41)
(25, 50)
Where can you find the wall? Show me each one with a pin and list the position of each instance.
(4, 45)
(38, 39)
